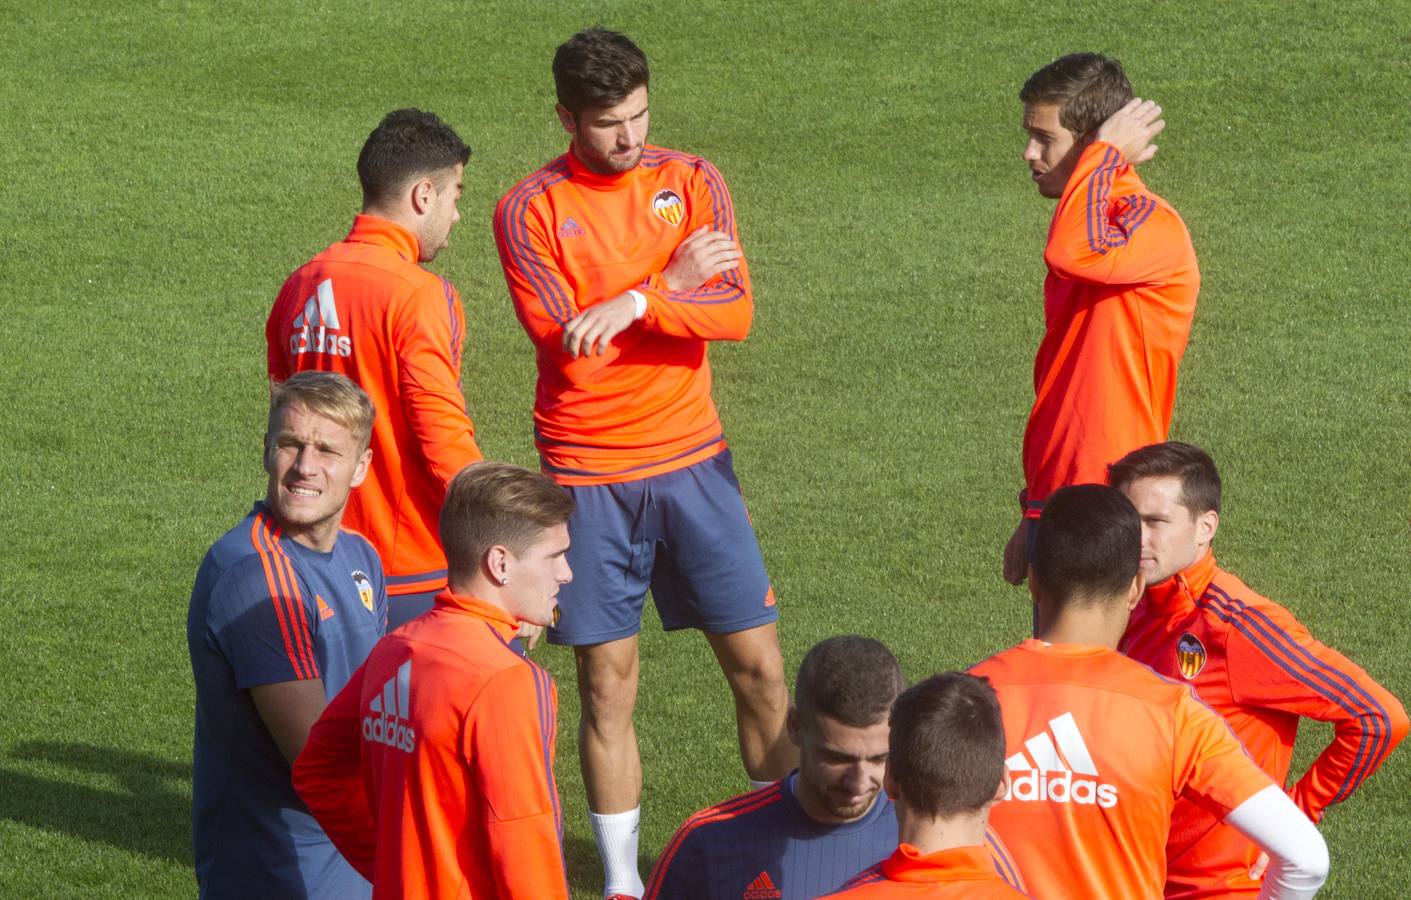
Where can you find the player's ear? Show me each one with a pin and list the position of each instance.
(1135, 590)
(1002, 789)
(566, 118)
(496, 564)
(360, 470)
(793, 726)
(1206, 526)
(265, 460)
(423, 192)
(889, 784)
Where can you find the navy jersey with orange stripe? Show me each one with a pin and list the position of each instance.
(763, 845)
(1251, 661)
(266, 609)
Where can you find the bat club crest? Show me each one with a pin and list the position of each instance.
(668, 206)
(1190, 653)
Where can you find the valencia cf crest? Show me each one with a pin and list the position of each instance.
(668, 206)
(1190, 653)
(364, 586)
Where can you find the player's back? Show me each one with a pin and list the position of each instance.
(1099, 747)
(364, 308)
(427, 782)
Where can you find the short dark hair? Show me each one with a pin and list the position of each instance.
(1200, 480)
(946, 748)
(1088, 87)
(1088, 546)
(406, 144)
(597, 68)
(849, 678)
(491, 503)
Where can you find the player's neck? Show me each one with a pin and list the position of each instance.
(932, 835)
(320, 537)
(1095, 625)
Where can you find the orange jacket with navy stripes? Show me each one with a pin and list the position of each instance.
(366, 309)
(570, 238)
(1119, 300)
(1253, 663)
(953, 874)
(432, 771)
(763, 844)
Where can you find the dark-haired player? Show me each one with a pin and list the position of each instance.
(366, 308)
(1248, 658)
(945, 770)
(1100, 747)
(1121, 288)
(623, 264)
(807, 834)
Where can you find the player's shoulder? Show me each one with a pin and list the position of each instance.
(676, 162)
(1230, 601)
(355, 544)
(242, 546)
(532, 186)
(740, 813)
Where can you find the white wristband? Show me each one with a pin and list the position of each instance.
(641, 300)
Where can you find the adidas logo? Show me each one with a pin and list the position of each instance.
(570, 229)
(1049, 776)
(390, 711)
(762, 888)
(315, 329)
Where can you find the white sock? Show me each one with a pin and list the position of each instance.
(756, 785)
(616, 837)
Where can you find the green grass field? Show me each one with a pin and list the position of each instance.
(167, 164)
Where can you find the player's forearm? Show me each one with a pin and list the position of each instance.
(443, 430)
(526, 857)
(1360, 744)
(328, 777)
(1298, 857)
(720, 310)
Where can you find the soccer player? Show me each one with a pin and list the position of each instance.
(285, 607)
(365, 307)
(1121, 287)
(1100, 747)
(433, 769)
(623, 264)
(807, 834)
(945, 770)
(1248, 658)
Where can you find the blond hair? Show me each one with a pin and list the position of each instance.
(327, 394)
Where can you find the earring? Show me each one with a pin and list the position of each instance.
(504, 579)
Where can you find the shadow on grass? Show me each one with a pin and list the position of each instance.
(149, 814)
(585, 871)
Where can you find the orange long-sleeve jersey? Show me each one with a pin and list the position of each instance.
(1119, 300)
(1099, 749)
(432, 770)
(1253, 663)
(364, 308)
(958, 873)
(570, 238)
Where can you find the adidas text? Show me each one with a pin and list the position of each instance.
(390, 732)
(1061, 787)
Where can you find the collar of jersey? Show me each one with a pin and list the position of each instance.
(952, 864)
(1180, 592)
(288, 544)
(1045, 647)
(500, 620)
(581, 174)
(369, 229)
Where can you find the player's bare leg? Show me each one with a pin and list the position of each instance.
(608, 757)
(754, 667)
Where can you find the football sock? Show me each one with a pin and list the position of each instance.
(616, 837)
(756, 785)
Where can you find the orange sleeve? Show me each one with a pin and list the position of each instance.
(1087, 242)
(328, 778)
(1210, 765)
(544, 300)
(508, 744)
(1282, 667)
(722, 309)
(276, 363)
(427, 332)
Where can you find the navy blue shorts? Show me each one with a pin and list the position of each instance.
(685, 535)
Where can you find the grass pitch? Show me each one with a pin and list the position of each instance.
(167, 164)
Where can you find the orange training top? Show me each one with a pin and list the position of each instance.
(1254, 664)
(1100, 747)
(958, 873)
(432, 770)
(364, 308)
(1118, 304)
(570, 238)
